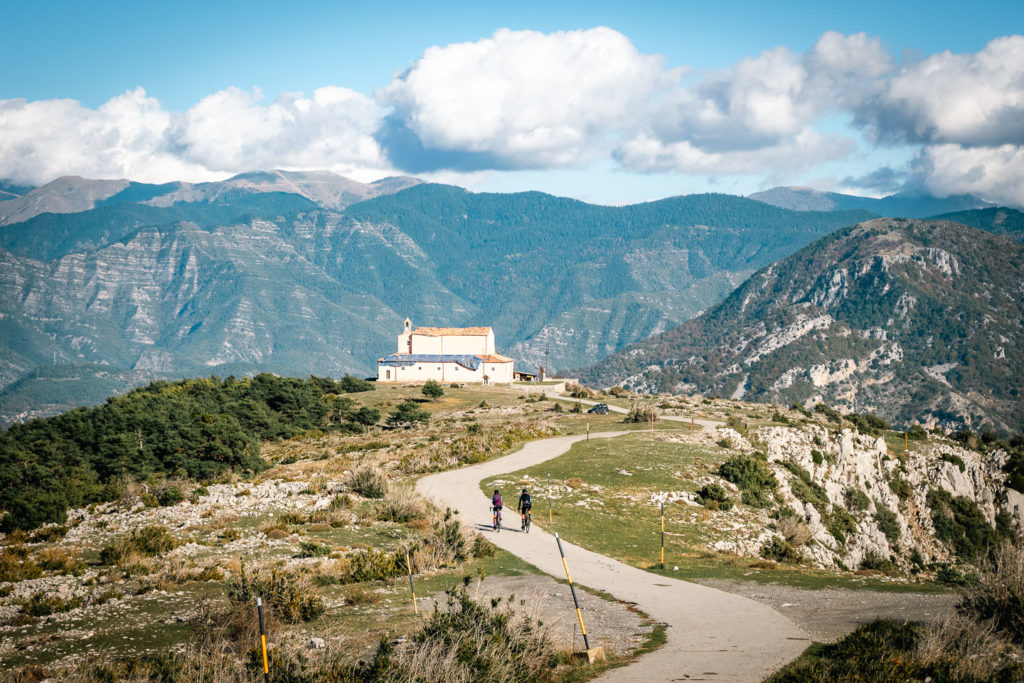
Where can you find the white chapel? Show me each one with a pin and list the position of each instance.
(445, 354)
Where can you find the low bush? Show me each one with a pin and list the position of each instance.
(887, 522)
(408, 414)
(487, 643)
(780, 550)
(41, 604)
(856, 500)
(960, 524)
(872, 561)
(953, 459)
(997, 594)
(15, 566)
(313, 549)
(290, 595)
(351, 385)
(713, 497)
(369, 482)
(149, 541)
(753, 477)
(482, 547)
(401, 505)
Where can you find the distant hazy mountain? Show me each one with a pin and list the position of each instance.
(243, 279)
(897, 205)
(72, 194)
(906, 319)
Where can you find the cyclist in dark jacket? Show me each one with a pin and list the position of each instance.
(524, 505)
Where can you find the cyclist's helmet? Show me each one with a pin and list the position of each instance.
(524, 489)
(495, 491)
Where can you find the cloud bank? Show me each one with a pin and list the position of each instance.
(572, 99)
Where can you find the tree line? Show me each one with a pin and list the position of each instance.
(199, 427)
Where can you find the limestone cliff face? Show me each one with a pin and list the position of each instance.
(847, 462)
(910, 320)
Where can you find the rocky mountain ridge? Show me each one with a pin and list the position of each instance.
(911, 320)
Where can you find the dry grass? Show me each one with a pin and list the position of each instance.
(794, 530)
(966, 646)
(401, 504)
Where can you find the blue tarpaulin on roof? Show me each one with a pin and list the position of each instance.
(407, 359)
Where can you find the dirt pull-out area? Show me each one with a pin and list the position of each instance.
(611, 624)
(828, 614)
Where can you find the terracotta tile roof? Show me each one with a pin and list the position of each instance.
(494, 358)
(452, 331)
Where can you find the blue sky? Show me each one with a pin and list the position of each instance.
(731, 97)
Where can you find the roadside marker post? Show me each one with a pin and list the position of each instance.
(263, 641)
(663, 535)
(691, 423)
(592, 654)
(412, 586)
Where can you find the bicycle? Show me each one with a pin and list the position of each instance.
(527, 518)
(497, 519)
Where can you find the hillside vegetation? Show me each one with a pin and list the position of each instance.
(194, 428)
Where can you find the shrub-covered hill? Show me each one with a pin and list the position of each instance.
(199, 427)
(911, 320)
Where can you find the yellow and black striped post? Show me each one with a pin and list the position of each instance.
(412, 586)
(906, 441)
(663, 535)
(549, 498)
(263, 641)
(575, 601)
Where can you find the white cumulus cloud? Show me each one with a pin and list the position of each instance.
(133, 136)
(528, 99)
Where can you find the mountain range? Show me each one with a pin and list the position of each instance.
(105, 284)
(910, 320)
(904, 204)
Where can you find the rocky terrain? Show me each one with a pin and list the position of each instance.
(915, 321)
(888, 492)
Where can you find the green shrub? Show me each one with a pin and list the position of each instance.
(917, 433)
(856, 500)
(41, 604)
(817, 456)
(753, 477)
(953, 459)
(840, 523)
(887, 522)
(482, 547)
(432, 389)
(313, 549)
(961, 524)
(408, 414)
(874, 562)
(832, 414)
(868, 424)
(289, 594)
(476, 429)
(780, 550)
(351, 385)
(171, 496)
(900, 487)
(713, 497)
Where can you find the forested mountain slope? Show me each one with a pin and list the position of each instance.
(244, 280)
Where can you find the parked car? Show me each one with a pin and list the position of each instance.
(599, 409)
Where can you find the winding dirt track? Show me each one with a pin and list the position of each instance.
(712, 635)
